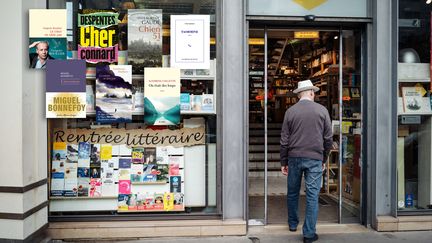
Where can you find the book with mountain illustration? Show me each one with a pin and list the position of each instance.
(413, 100)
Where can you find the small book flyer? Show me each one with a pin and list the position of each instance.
(72, 153)
(113, 93)
(98, 36)
(83, 187)
(65, 89)
(95, 187)
(47, 36)
(162, 96)
(168, 201)
(144, 39)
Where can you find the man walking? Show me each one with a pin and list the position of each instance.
(306, 139)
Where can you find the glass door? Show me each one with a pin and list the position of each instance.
(350, 115)
(278, 59)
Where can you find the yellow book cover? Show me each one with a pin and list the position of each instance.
(168, 201)
(106, 151)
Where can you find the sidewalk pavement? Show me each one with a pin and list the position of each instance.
(369, 236)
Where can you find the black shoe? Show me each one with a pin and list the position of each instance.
(309, 240)
(293, 229)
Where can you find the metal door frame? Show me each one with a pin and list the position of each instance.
(317, 27)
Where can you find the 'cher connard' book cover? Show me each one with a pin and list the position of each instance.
(65, 89)
(98, 36)
(47, 36)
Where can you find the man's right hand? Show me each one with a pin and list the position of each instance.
(34, 44)
(284, 170)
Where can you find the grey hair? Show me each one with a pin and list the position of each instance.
(46, 42)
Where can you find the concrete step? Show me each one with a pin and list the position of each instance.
(255, 166)
(259, 132)
(269, 125)
(260, 148)
(260, 140)
(260, 174)
(257, 157)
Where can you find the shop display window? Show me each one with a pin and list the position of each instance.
(414, 157)
(115, 167)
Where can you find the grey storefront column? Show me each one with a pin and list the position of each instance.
(232, 111)
(382, 105)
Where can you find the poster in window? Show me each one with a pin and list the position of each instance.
(98, 36)
(47, 36)
(162, 96)
(113, 93)
(65, 89)
(144, 39)
(190, 41)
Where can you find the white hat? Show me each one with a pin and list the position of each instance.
(305, 85)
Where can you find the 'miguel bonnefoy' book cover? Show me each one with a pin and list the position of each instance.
(98, 36)
(113, 93)
(175, 183)
(47, 36)
(162, 96)
(144, 39)
(65, 89)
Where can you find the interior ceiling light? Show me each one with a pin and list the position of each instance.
(428, 1)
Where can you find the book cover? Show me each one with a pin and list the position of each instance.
(84, 162)
(71, 170)
(132, 202)
(83, 187)
(149, 201)
(196, 102)
(124, 186)
(107, 171)
(97, 36)
(57, 166)
(144, 39)
(106, 151)
(207, 102)
(65, 89)
(95, 155)
(168, 201)
(178, 201)
(140, 201)
(113, 163)
(95, 187)
(175, 184)
(124, 163)
(84, 172)
(57, 184)
(138, 99)
(59, 151)
(71, 187)
(158, 201)
(109, 187)
(162, 155)
(155, 173)
(84, 150)
(137, 172)
(355, 92)
(174, 169)
(47, 36)
(113, 93)
(72, 153)
(137, 155)
(124, 174)
(149, 155)
(190, 41)
(162, 96)
(185, 102)
(95, 172)
(413, 101)
(123, 202)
